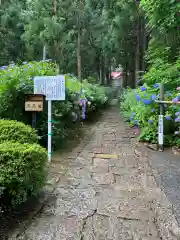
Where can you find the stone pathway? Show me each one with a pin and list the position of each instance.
(106, 193)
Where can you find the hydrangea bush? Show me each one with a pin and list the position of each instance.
(141, 110)
(17, 80)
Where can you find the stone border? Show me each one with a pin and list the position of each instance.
(161, 207)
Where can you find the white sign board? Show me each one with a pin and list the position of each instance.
(53, 87)
(160, 130)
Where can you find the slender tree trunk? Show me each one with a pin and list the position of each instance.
(143, 30)
(79, 50)
(54, 7)
(125, 75)
(102, 69)
(137, 58)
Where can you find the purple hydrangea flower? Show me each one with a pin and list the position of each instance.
(146, 101)
(176, 133)
(150, 121)
(177, 114)
(83, 116)
(177, 119)
(168, 117)
(142, 88)
(175, 100)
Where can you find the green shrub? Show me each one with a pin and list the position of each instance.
(22, 171)
(140, 109)
(17, 80)
(11, 130)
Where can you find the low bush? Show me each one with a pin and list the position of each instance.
(22, 171)
(11, 130)
(140, 109)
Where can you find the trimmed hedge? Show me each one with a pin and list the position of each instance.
(22, 171)
(17, 132)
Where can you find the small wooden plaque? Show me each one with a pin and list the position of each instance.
(34, 106)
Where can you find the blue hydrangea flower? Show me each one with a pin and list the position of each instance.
(3, 67)
(138, 97)
(153, 97)
(130, 118)
(168, 117)
(156, 85)
(133, 113)
(24, 62)
(176, 133)
(142, 88)
(153, 110)
(146, 101)
(150, 121)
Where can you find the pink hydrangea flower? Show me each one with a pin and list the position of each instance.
(178, 88)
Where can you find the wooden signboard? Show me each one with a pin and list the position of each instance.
(33, 106)
(34, 103)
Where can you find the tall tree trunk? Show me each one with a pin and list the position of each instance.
(143, 31)
(102, 69)
(54, 7)
(125, 75)
(79, 50)
(137, 58)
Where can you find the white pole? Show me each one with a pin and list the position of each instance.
(160, 132)
(44, 52)
(49, 131)
(49, 119)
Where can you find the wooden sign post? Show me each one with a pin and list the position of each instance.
(34, 104)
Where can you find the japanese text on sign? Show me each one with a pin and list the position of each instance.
(160, 130)
(34, 106)
(53, 87)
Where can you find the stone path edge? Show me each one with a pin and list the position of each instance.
(48, 190)
(161, 207)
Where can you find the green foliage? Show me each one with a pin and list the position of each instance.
(22, 171)
(140, 109)
(161, 71)
(17, 80)
(17, 132)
